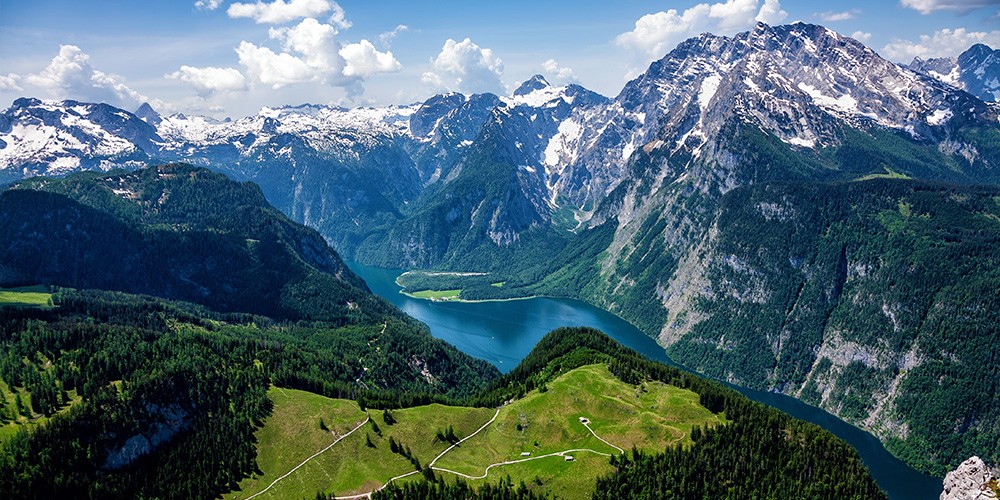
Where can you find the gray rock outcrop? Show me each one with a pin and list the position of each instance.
(970, 481)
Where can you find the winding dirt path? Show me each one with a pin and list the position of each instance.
(495, 415)
(486, 472)
(508, 462)
(585, 422)
(318, 453)
(587, 425)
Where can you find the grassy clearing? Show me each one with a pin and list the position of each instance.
(292, 434)
(889, 174)
(436, 294)
(650, 417)
(8, 396)
(26, 296)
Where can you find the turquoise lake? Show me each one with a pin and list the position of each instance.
(503, 333)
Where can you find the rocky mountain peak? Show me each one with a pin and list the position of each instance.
(979, 51)
(532, 84)
(148, 114)
(972, 480)
(976, 71)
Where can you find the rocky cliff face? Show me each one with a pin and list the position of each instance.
(972, 480)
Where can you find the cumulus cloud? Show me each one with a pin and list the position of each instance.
(466, 67)
(306, 52)
(207, 4)
(560, 74)
(339, 18)
(387, 37)
(276, 69)
(362, 59)
(312, 53)
(943, 43)
(9, 82)
(862, 37)
(280, 11)
(961, 6)
(210, 80)
(315, 55)
(771, 13)
(657, 33)
(71, 76)
(832, 17)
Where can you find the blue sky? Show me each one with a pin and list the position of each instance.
(227, 58)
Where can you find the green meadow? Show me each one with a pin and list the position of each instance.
(545, 422)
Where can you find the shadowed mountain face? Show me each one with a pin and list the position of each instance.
(177, 232)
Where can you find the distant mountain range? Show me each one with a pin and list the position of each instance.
(730, 201)
(976, 71)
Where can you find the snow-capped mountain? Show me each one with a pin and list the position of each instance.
(802, 83)
(347, 171)
(49, 138)
(976, 71)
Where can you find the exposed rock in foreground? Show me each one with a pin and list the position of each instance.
(972, 480)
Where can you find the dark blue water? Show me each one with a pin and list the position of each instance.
(503, 333)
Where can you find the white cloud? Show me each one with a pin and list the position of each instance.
(115, 84)
(831, 16)
(657, 33)
(210, 80)
(280, 11)
(943, 43)
(276, 70)
(362, 59)
(771, 13)
(961, 6)
(339, 18)
(432, 79)
(387, 37)
(308, 52)
(9, 82)
(862, 37)
(466, 67)
(207, 4)
(315, 41)
(71, 76)
(733, 14)
(557, 73)
(312, 53)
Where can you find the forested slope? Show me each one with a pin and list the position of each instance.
(124, 395)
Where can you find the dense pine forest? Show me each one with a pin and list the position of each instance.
(166, 395)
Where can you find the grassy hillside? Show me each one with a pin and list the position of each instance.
(655, 414)
(292, 434)
(546, 424)
(26, 296)
(649, 416)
